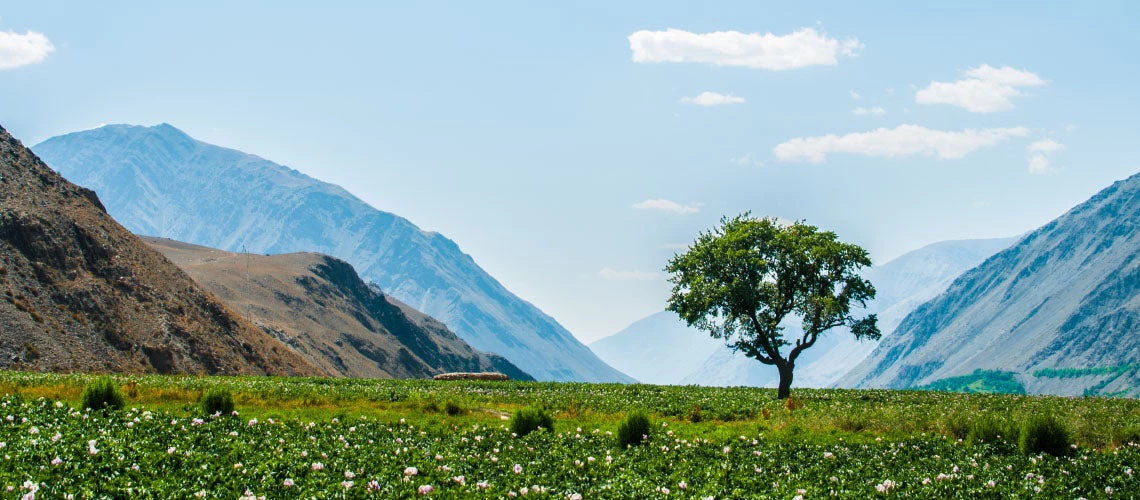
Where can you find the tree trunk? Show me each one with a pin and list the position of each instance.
(785, 389)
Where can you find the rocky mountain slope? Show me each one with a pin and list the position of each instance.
(691, 357)
(319, 306)
(159, 181)
(81, 293)
(1064, 300)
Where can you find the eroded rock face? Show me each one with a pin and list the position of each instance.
(78, 292)
(321, 308)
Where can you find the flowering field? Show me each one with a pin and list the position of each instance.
(402, 439)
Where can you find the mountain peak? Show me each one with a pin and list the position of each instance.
(157, 184)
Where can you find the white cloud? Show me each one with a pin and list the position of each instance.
(1005, 75)
(877, 111)
(615, 275)
(801, 48)
(668, 206)
(1045, 146)
(1039, 162)
(712, 99)
(18, 50)
(747, 161)
(855, 95)
(904, 140)
(984, 90)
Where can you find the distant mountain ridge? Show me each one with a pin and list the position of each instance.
(662, 349)
(1065, 298)
(159, 181)
(318, 306)
(78, 292)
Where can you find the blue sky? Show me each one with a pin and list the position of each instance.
(569, 147)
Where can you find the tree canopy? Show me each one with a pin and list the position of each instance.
(741, 280)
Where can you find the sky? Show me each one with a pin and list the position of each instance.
(573, 147)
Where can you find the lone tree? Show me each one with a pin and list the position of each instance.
(740, 282)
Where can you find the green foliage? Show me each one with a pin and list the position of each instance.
(454, 409)
(989, 429)
(634, 430)
(1083, 372)
(979, 382)
(217, 401)
(956, 425)
(741, 280)
(1044, 434)
(103, 394)
(695, 415)
(346, 425)
(527, 420)
(1126, 435)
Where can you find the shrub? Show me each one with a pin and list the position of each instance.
(633, 430)
(103, 394)
(1123, 436)
(957, 425)
(217, 401)
(987, 429)
(695, 414)
(452, 408)
(1044, 434)
(528, 420)
(849, 423)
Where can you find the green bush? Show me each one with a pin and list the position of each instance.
(452, 408)
(957, 425)
(1044, 434)
(1125, 435)
(633, 430)
(695, 415)
(217, 401)
(988, 429)
(103, 394)
(528, 420)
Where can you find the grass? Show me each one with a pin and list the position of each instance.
(743, 440)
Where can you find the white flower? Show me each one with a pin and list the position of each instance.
(517, 469)
(288, 482)
(411, 471)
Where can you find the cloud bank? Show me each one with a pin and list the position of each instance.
(904, 140)
(708, 99)
(668, 206)
(615, 275)
(801, 48)
(985, 89)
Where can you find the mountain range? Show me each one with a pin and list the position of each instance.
(661, 349)
(1060, 308)
(81, 293)
(159, 181)
(319, 307)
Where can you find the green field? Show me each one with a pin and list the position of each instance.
(395, 439)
